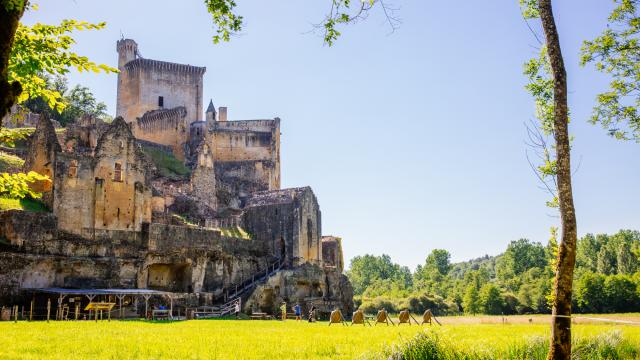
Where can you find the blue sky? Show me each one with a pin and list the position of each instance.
(413, 140)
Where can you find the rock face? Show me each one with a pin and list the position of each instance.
(307, 285)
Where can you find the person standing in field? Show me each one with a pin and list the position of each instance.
(312, 314)
(283, 309)
(298, 310)
(237, 309)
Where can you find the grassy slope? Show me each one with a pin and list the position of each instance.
(10, 163)
(24, 204)
(236, 232)
(167, 164)
(231, 339)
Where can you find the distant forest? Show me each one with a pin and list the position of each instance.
(518, 281)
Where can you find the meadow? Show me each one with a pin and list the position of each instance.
(486, 337)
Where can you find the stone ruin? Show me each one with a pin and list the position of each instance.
(164, 199)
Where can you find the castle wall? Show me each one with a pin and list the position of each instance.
(122, 193)
(164, 127)
(203, 178)
(289, 222)
(108, 192)
(74, 193)
(246, 140)
(41, 158)
(246, 158)
(142, 82)
(235, 180)
(309, 217)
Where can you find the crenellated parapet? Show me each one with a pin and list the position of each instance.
(157, 120)
(157, 65)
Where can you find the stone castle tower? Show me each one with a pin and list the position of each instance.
(159, 99)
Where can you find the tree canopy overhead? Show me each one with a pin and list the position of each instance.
(616, 52)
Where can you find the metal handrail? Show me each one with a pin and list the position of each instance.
(239, 288)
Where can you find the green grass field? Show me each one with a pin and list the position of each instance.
(243, 339)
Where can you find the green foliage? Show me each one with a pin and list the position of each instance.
(616, 52)
(439, 260)
(167, 164)
(620, 293)
(16, 186)
(10, 163)
(471, 301)
(77, 102)
(529, 9)
(518, 281)
(9, 137)
(520, 256)
(589, 292)
(236, 232)
(364, 270)
(13, 5)
(491, 300)
(439, 345)
(41, 50)
(226, 22)
(22, 204)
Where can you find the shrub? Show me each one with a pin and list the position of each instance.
(16, 186)
(428, 345)
(418, 303)
(371, 306)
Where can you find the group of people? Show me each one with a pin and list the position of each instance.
(297, 311)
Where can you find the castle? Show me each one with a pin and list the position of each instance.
(167, 199)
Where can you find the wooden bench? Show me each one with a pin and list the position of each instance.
(261, 316)
(161, 315)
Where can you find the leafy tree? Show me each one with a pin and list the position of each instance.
(364, 270)
(617, 52)
(620, 292)
(587, 252)
(491, 300)
(437, 265)
(28, 53)
(227, 22)
(606, 261)
(10, 13)
(471, 301)
(590, 295)
(439, 260)
(548, 85)
(80, 101)
(41, 50)
(77, 102)
(520, 256)
(625, 259)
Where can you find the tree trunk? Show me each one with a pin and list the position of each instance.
(9, 20)
(560, 347)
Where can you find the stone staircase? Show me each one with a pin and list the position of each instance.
(233, 292)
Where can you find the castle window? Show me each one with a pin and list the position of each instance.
(73, 169)
(117, 172)
(160, 101)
